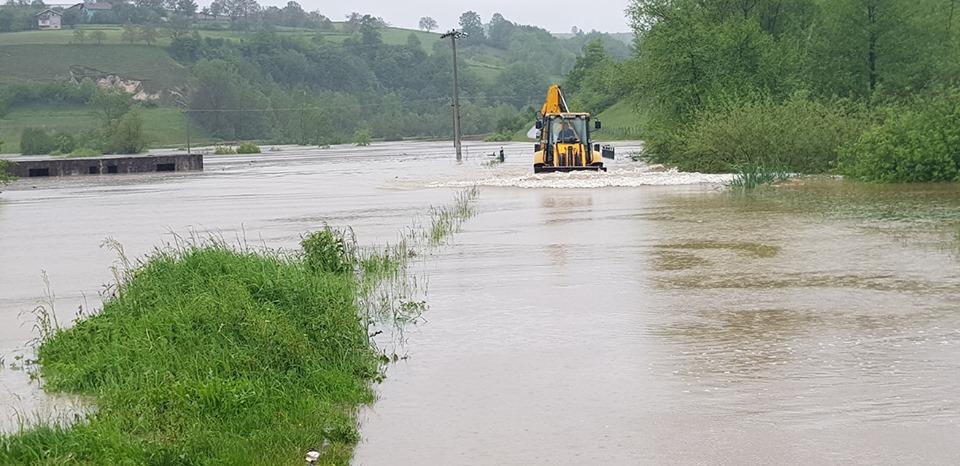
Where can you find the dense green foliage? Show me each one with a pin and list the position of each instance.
(36, 141)
(912, 145)
(57, 93)
(211, 356)
(248, 148)
(120, 132)
(724, 82)
(799, 135)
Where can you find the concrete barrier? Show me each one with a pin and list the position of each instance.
(29, 167)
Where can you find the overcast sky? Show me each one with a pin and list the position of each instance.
(555, 16)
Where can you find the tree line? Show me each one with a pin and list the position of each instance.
(861, 87)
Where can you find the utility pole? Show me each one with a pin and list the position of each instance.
(457, 133)
(188, 131)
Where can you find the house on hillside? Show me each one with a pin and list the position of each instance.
(49, 19)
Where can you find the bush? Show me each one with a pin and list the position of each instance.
(798, 135)
(127, 137)
(65, 143)
(224, 150)
(910, 146)
(362, 137)
(36, 141)
(248, 148)
(5, 177)
(499, 137)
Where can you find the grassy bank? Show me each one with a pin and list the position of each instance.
(209, 355)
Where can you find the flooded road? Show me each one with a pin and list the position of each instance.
(636, 317)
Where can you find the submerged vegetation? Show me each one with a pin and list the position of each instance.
(755, 174)
(211, 354)
(248, 148)
(446, 221)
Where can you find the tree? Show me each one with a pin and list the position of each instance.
(428, 24)
(98, 36)
(127, 136)
(148, 34)
(129, 34)
(79, 36)
(110, 106)
(472, 26)
(868, 43)
(522, 85)
(500, 31)
(186, 7)
(217, 8)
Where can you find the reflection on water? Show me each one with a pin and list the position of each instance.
(639, 317)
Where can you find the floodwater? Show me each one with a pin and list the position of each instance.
(641, 316)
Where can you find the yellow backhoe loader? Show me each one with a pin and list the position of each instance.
(565, 139)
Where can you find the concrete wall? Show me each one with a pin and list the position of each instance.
(105, 165)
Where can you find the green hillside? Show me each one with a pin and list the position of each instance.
(50, 62)
(621, 121)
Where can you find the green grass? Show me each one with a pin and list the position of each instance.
(163, 126)
(620, 122)
(47, 62)
(210, 355)
(61, 37)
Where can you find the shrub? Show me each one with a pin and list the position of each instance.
(224, 150)
(910, 146)
(499, 137)
(248, 148)
(64, 142)
(5, 177)
(798, 135)
(36, 141)
(362, 137)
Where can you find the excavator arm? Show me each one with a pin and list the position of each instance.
(555, 102)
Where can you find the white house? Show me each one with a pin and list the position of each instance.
(49, 19)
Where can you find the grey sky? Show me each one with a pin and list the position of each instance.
(556, 16)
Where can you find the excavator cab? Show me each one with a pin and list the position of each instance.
(565, 144)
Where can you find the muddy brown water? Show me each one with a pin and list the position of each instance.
(638, 317)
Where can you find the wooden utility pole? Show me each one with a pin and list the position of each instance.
(457, 133)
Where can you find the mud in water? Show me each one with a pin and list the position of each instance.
(635, 317)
